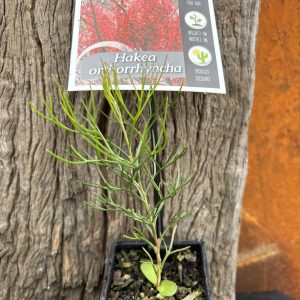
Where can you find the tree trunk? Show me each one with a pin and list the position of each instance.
(51, 245)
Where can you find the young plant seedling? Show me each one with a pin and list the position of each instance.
(131, 158)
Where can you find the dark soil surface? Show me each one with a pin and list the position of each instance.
(129, 282)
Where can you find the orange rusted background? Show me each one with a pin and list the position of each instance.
(269, 251)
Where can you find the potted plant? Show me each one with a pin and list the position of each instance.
(150, 265)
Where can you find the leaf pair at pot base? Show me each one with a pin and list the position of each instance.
(167, 288)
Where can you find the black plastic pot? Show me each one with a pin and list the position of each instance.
(126, 245)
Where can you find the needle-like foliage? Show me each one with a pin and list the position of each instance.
(131, 158)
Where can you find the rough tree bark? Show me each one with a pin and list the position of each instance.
(51, 245)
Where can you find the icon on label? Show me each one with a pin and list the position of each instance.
(200, 56)
(195, 20)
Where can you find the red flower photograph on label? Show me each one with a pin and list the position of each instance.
(139, 25)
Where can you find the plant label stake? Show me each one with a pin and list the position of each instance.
(178, 38)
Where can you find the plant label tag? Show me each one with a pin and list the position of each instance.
(142, 39)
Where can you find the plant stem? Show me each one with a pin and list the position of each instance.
(157, 242)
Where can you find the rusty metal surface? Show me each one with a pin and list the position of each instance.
(269, 252)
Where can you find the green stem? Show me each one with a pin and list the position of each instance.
(158, 259)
